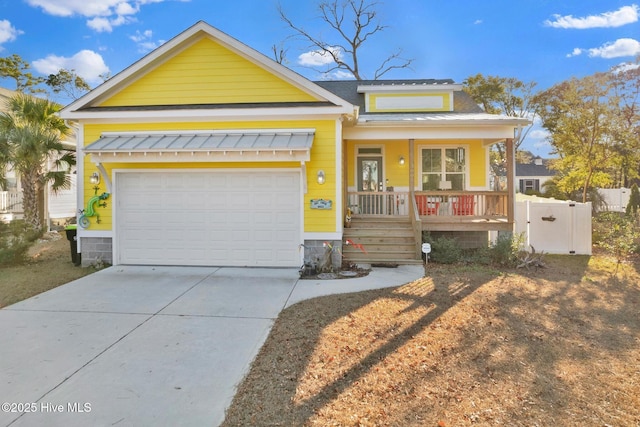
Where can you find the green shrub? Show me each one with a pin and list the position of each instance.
(482, 256)
(445, 251)
(617, 234)
(15, 240)
(504, 251)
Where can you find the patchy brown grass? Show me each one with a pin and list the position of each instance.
(465, 345)
(49, 266)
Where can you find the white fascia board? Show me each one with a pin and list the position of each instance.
(512, 122)
(408, 88)
(221, 156)
(211, 115)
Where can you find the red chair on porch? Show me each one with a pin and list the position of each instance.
(425, 207)
(463, 205)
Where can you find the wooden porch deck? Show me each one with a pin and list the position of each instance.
(438, 210)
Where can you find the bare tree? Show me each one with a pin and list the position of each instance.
(353, 22)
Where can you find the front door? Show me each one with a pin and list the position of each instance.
(370, 181)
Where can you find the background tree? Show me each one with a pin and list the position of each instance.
(504, 95)
(65, 82)
(30, 132)
(634, 202)
(353, 23)
(581, 117)
(625, 94)
(68, 83)
(508, 96)
(16, 68)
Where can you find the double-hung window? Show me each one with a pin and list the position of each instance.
(443, 164)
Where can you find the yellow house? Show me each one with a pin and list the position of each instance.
(206, 152)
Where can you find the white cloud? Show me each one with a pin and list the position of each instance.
(477, 22)
(8, 32)
(337, 75)
(145, 42)
(88, 8)
(101, 25)
(576, 51)
(318, 58)
(623, 16)
(86, 63)
(139, 37)
(626, 66)
(106, 25)
(617, 49)
(539, 134)
(123, 9)
(103, 15)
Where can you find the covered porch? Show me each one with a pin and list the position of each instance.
(398, 181)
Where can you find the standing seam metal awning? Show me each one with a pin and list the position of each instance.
(235, 145)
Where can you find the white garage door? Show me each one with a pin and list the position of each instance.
(208, 218)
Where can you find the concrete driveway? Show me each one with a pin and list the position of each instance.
(133, 345)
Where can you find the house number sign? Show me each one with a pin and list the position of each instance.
(321, 204)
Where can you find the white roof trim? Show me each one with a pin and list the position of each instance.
(409, 87)
(209, 114)
(182, 39)
(440, 119)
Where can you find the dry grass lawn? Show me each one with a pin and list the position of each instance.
(49, 266)
(463, 346)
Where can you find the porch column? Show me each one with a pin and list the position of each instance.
(345, 180)
(411, 168)
(511, 181)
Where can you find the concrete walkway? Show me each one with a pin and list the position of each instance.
(137, 346)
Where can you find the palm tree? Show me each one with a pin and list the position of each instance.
(30, 132)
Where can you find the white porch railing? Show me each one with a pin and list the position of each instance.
(10, 201)
(484, 204)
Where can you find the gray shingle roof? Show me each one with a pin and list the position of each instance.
(348, 90)
(531, 169)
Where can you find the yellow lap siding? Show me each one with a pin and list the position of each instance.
(477, 164)
(398, 175)
(207, 73)
(322, 157)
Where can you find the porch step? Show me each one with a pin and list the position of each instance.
(386, 240)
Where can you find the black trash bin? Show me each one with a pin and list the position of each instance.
(72, 237)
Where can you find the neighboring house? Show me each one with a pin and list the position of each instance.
(531, 177)
(206, 152)
(59, 205)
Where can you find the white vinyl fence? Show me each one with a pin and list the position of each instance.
(616, 199)
(554, 226)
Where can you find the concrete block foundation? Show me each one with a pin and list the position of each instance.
(96, 250)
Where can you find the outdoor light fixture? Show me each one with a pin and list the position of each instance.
(320, 177)
(401, 160)
(94, 178)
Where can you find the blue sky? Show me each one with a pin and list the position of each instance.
(546, 41)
